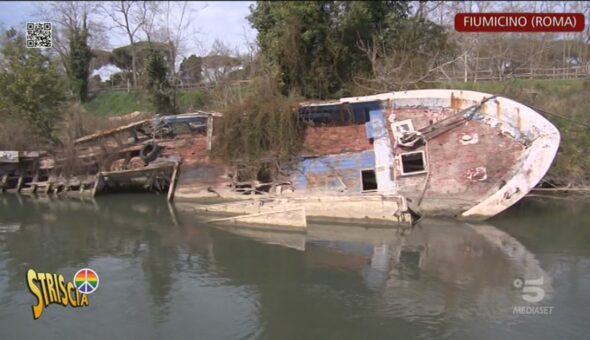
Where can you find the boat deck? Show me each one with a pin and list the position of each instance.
(464, 165)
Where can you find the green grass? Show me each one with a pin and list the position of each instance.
(558, 88)
(116, 103)
(191, 100)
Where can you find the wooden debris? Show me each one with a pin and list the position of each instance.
(102, 134)
(173, 181)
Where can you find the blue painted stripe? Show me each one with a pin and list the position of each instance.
(369, 129)
(378, 124)
(347, 166)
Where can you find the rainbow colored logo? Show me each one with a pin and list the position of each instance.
(86, 281)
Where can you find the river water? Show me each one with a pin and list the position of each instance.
(166, 274)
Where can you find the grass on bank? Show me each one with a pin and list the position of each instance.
(116, 103)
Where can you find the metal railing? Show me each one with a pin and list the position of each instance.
(458, 75)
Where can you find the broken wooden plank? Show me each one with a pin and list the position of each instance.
(203, 114)
(145, 170)
(33, 183)
(98, 184)
(4, 183)
(106, 133)
(173, 181)
(48, 188)
(19, 184)
(209, 132)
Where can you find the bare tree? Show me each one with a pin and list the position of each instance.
(152, 9)
(173, 25)
(68, 17)
(402, 68)
(130, 17)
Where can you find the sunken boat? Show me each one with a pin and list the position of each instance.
(387, 158)
(396, 156)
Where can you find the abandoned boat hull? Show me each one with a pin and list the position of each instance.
(491, 155)
(518, 145)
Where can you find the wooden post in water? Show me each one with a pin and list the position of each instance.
(4, 183)
(34, 182)
(19, 184)
(209, 131)
(98, 183)
(173, 181)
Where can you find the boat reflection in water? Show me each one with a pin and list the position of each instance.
(404, 265)
(439, 276)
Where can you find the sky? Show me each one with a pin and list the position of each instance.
(223, 20)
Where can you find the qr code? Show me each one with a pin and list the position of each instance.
(38, 35)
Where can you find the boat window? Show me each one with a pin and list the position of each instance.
(413, 163)
(369, 180)
(402, 126)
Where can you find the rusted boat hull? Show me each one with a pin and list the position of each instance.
(479, 154)
(479, 168)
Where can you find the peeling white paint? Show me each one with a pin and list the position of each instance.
(514, 119)
(468, 139)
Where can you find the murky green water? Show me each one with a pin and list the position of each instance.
(164, 274)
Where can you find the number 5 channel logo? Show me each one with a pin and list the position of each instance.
(532, 292)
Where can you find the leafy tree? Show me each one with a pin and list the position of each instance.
(217, 67)
(191, 69)
(295, 38)
(318, 48)
(162, 94)
(79, 62)
(361, 22)
(122, 57)
(30, 87)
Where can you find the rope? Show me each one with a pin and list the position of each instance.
(434, 130)
(547, 112)
(559, 116)
(427, 179)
